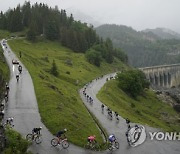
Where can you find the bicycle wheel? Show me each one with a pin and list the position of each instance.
(29, 137)
(87, 146)
(65, 144)
(96, 147)
(5, 125)
(38, 139)
(54, 142)
(117, 145)
(110, 147)
(2, 107)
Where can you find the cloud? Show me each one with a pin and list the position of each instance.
(139, 14)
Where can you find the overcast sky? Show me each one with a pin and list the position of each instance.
(139, 14)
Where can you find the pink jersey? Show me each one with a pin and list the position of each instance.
(91, 138)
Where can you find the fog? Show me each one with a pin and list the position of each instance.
(139, 14)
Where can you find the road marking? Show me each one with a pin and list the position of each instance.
(13, 68)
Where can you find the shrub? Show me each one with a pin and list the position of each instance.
(133, 82)
(94, 57)
(15, 143)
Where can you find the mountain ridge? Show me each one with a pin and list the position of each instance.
(143, 48)
(164, 33)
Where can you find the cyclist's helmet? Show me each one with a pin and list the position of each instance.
(136, 126)
(65, 129)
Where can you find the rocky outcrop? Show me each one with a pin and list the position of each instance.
(170, 96)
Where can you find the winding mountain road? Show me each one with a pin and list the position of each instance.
(119, 129)
(22, 105)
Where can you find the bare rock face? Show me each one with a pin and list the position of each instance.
(170, 96)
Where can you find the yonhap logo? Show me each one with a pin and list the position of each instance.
(136, 135)
(170, 136)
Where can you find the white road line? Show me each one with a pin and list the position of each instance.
(13, 68)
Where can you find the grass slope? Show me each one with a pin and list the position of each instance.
(4, 73)
(59, 103)
(4, 34)
(4, 70)
(15, 143)
(145, 110)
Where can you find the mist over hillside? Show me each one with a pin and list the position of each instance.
(83, 17)
(144, 48)
(164, 33)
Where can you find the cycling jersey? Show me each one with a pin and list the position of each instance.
(20, 68)
(61, 132)
(91, 138)
(7, 88)
(112, 138)
(36, 130)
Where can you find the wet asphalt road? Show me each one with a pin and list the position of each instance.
(119, 129)
(22, 105)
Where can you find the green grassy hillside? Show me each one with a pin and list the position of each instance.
(59, 103)
(4, 34)
(146, 109)
(4, 72)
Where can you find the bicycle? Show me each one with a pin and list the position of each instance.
(34, 137)
(6, 98)
(9, 123)
(93, 145)
(17, 77)
(2, 106)
(113, 145)
(57, 141)
(102, 108)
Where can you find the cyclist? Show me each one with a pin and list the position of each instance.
(102, 107)
(87, 97)
(7, 88)
(60, 133)
(83, 92)
(17, 77)
(36, 131)
(6, 97)
(110, 113)
(91, 100)
(2, 114)
(116, 114)
(128, 123)
(112, 138)
(20, 68)
(2, 106)
(91, 139)
(10, 121)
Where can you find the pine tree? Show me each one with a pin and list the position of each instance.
(31, 34)
(52, 30)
